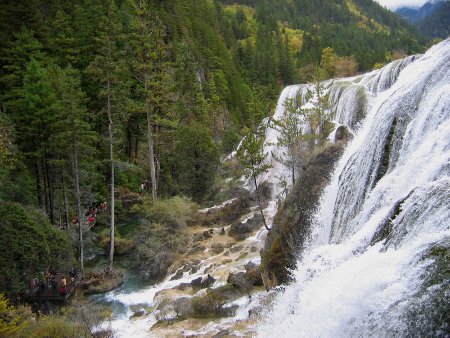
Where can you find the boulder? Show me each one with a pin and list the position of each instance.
(254, 276)
(202, 283)
(240, 281)
(197, 283)
(227, 212)
(183, 286)
(245, 281)
(343, 134)
(247, 226)
(170, 310)
(250, 266)
(138, 313)
(208, 281)
(178, 275)
(221, 334)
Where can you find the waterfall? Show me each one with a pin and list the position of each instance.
(271, 148)
(377, 264)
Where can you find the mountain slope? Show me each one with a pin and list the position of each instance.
(432, 19)
(415, 14)
(437, 24)
(351, 27)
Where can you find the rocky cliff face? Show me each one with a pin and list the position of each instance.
(292, 223)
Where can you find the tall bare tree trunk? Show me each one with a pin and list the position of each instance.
(151, 151)
(76, 172)
(66, 204)
(293, 174)
(259, 203)
(45, 188)
(111, 159)
(38, 185)
(50, 192)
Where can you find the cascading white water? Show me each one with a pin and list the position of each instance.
(271, 148)
(372, 268)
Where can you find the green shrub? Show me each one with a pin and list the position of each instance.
(29, 244)
(156, 250)
(12, 318)
(53, 327)
(121, 245)
(160, 236)
(173, 212)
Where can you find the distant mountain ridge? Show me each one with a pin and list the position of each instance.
(432, 19)
(415, 14)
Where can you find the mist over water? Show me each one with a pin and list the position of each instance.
(374, 264)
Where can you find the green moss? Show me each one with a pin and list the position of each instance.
(439, 271)
(101, 282)
(440, 252)
(209, 305)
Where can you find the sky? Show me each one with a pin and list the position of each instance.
(394, 4)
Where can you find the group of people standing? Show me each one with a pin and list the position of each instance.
(50, 280)
(91, 214)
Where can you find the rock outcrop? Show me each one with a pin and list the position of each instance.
(292, 222)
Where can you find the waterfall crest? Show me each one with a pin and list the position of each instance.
(374, 264)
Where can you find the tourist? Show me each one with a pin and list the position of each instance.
(73, 274)
(91, 220)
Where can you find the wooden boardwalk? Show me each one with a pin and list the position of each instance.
(51, 294)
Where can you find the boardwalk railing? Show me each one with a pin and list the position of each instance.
(52, 294)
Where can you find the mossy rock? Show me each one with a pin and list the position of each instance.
(292, 223)
(101, 282)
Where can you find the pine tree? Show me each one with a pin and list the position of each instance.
(252, 157)
(256, 109)
(286, 62)
(18, 53)
(34, 129)
(321, 114)
(62, 40)
(74, 138)
(148, 68)
(187, 86)
(197, 159)
(291, 134)
(110, 70)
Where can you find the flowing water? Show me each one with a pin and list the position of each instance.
(378, 261)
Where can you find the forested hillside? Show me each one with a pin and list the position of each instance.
(118, 97)
(437, 24)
